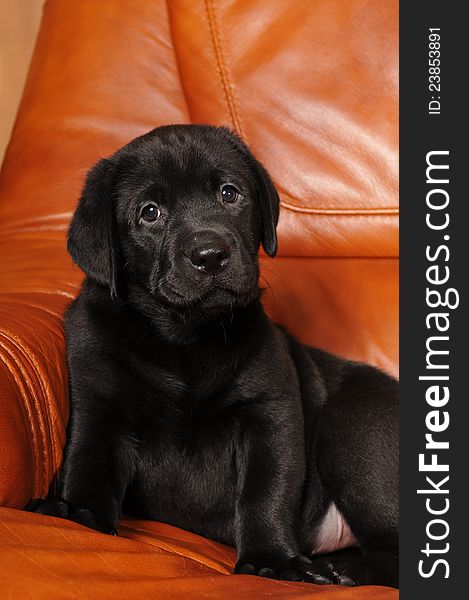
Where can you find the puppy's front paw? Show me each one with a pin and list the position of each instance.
(323, 571)
(275, 567)
(54, 507)
(57, 507)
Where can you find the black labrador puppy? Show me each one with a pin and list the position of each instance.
(188, 405)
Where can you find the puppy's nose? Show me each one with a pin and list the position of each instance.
(210, 256)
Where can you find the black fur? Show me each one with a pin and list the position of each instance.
(188, 405)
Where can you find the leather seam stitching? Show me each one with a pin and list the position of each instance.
(378, 210)
(341, 212)
(222, 68)
(177, 63)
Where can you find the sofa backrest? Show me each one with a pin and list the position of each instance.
(311, 86)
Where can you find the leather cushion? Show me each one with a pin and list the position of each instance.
(44, 558)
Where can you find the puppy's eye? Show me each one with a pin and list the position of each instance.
(150, 213)
(229, 193)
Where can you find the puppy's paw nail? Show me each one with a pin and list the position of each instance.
(320, 579)
(266, 572)
(345, 580)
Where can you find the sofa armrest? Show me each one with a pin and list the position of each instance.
(36, 285)
(33, 394)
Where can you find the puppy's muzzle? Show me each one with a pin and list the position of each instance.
(208, 253)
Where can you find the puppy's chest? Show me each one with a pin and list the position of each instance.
(187, 467)
(190, 429)
(171, 379)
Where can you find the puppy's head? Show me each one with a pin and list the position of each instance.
(180, 213)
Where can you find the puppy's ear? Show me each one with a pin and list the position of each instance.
(92, 238)
(269, 203)
(269, 200)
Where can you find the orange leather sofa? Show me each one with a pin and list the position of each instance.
(312, 86)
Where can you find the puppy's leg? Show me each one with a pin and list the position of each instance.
(351, 567)
(358, 462)
(270, 467)
(98, 464)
